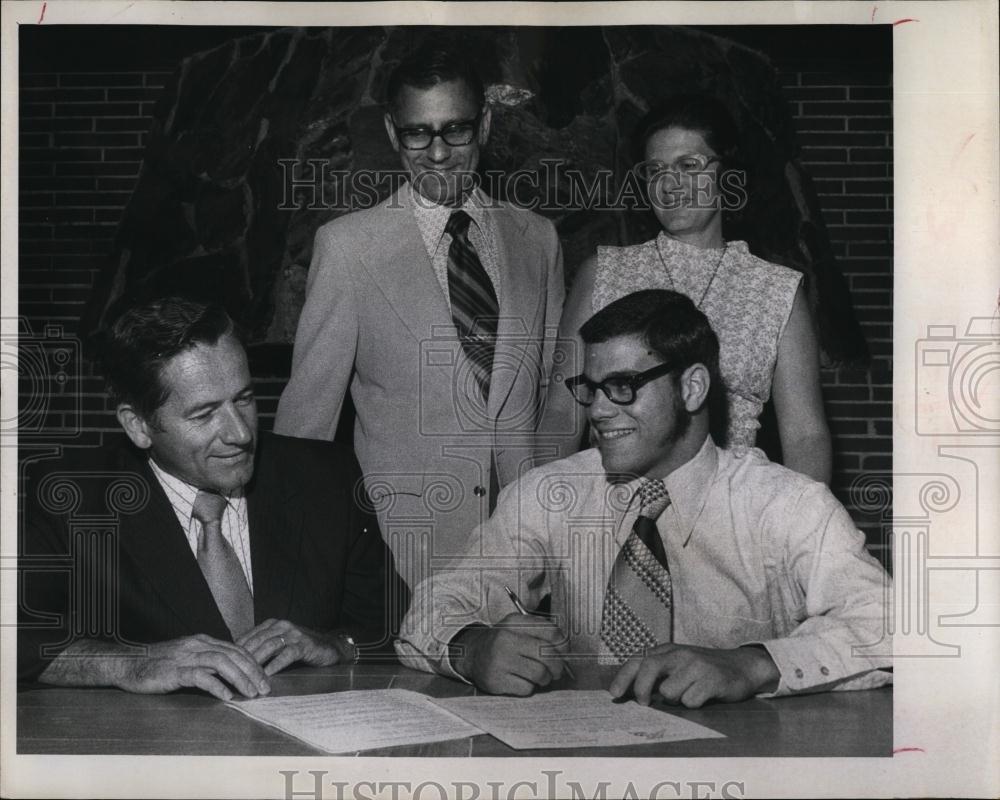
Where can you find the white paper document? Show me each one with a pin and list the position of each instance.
(573, 719)
(346, 722)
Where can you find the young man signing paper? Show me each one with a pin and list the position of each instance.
(706, 574)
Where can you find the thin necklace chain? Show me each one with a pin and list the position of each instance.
(715, 271)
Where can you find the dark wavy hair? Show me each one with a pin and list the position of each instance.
(436, 61)
(134, 349)
(693, 112)
(680, 334)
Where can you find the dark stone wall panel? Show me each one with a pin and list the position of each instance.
(261, 140)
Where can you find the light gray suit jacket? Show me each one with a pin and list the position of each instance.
(376, 319)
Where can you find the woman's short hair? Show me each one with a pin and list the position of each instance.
(143, 338)
(709, 117)
(676, 330)
(693, 112)
(432, 63)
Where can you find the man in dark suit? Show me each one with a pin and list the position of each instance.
(199, 554)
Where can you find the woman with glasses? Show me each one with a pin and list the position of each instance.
(686, 159)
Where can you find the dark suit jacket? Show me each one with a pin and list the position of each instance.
(103, 556)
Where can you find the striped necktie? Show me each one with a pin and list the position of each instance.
(638, 601)
(220, 566)
(474, 306)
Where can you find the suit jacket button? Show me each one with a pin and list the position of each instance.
(479, 491)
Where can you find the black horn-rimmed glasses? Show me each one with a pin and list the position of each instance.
(619, 389)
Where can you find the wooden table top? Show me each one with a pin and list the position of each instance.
(107, 721)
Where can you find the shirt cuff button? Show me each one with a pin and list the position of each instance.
(798, 673)
(824, 670)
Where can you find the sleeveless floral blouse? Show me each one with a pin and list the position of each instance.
(747, 301)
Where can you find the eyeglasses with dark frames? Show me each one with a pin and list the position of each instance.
(619, 389)
(455, 134)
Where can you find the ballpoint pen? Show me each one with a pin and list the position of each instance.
(524, 612)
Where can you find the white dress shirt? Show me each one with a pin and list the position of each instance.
(758, 554)
(235, 525)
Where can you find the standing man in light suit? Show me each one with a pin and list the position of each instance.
(439, 309)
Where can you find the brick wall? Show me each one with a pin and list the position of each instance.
(81, 144)
(845, 131)
(81, 140)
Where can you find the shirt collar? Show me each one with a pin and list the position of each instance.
(432, 218)
(689, 485)
(182, 494)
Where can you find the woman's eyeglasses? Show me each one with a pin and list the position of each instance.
(653, 169)
(455, 134)
(619, 389)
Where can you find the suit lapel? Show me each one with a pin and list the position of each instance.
(275, 517)
(521, 299)
(153, 539)
(398, 264)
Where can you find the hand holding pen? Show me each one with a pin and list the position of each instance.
(507, 656)
(525, 613)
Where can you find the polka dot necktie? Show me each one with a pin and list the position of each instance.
(638, 601)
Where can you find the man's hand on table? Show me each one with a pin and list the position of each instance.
(514, 656)
(277, 643)
(218, 667)
(692, 676)
(195, 661)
